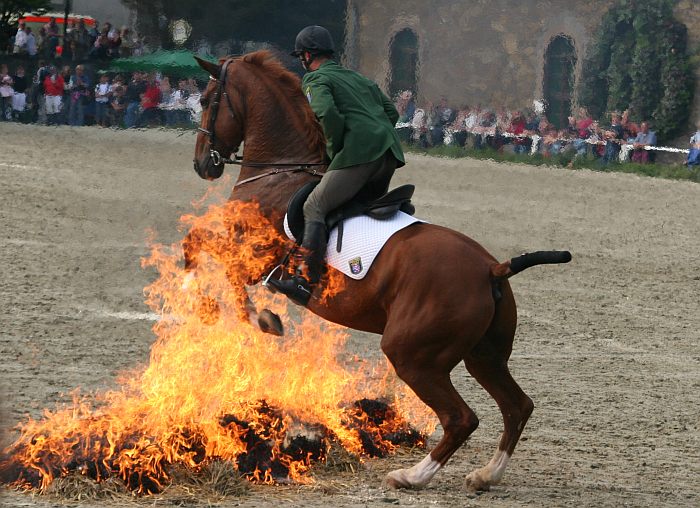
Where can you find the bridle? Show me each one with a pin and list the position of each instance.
(218, 159)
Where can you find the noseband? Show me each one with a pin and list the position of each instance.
(218, 159)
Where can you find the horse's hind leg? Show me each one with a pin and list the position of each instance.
(432, 385)
(488, 364)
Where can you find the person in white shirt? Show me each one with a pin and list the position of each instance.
(20, 40)
(102, 96)
(31, 42)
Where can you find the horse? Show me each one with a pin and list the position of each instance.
(451, 303)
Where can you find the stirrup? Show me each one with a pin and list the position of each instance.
(296, 288)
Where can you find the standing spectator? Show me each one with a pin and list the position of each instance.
(137, 87)
(114, 42)
(613, 137)
(644, 138)
(81, 37)
(51, 37)
(42, 45)
(443, 116)
(6, 94)
(127, 44)
(53, 92)
(31, 42)
(80, 94)
(694, 155)
(118, 105)
(102, 96)
(66, 74)
(149, 103)
(38, 92)
(20, 46)
(19, 99)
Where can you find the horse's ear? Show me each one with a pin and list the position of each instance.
(213, 69)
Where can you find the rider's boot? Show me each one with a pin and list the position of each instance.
(298, 287)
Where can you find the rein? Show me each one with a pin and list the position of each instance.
(218, 159)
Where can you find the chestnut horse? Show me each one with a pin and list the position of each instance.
(437, 297)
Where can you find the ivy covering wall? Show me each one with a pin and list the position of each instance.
(638, 59)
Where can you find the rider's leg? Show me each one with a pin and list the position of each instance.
(336, 188)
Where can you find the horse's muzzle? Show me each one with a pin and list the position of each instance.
(208, 170)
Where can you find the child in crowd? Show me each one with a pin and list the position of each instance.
(102, 95)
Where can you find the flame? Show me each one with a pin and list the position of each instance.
(218, 388)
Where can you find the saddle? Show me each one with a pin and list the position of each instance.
(383, 208)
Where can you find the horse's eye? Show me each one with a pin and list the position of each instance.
(204, 102)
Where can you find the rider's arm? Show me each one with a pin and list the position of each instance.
(333, 122)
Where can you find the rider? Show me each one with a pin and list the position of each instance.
(361, 142)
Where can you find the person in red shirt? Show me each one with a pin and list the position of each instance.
(517, 128)
(53, 93)
(149, 103)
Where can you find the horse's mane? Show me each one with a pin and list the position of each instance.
(272, 71)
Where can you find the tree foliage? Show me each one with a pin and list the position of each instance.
(273, 21)
(638, 59)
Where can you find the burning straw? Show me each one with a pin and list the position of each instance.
(218, 394)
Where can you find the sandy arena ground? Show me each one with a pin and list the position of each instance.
(608, 346)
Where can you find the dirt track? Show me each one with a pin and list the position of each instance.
(608, 347)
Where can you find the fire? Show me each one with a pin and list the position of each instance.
(217, 388)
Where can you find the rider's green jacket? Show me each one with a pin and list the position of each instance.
(357, 118)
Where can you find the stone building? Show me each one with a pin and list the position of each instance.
(493, 52)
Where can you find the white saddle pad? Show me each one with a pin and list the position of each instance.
(363, 238)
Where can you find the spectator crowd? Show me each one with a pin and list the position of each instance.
(529, 131)
(79, 43)
(69, 95)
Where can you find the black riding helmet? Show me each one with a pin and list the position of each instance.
(314, 39)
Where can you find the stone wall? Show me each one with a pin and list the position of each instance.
(482, 51)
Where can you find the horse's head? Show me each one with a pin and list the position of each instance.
(221, 129)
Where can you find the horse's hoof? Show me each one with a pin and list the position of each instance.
(269, 322)
(475, 482)
(399, 480)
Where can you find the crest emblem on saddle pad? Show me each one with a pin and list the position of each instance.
(355, 265)
(308, 94)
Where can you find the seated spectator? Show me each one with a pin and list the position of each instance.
(551, 141)
(53, 95)
(583, 131)
(442, 117)
(458, 127)
(19, 99)
(644, 138)
(613, 137)
(150, 115)
(694, 155)
(102, 96)
(629, 128)
(179, 103)
(167, 102)
(517, 126)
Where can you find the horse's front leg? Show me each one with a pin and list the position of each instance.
(201, 240)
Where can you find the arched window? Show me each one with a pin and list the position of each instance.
(403, 58)
(559, 63)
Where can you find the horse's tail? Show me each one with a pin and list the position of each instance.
(516, 265)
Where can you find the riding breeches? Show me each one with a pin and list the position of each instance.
(366, 182)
